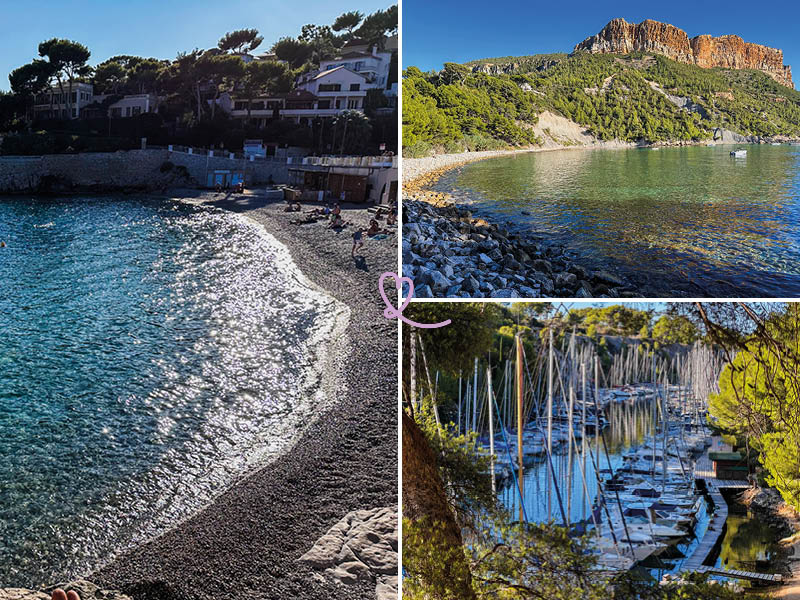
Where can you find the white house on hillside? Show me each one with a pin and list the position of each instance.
(53, 104)
(85, 104)
(339, 84)
(130, 105)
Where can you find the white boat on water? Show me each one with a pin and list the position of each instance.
(739, 153)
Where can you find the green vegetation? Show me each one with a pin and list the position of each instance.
(759, 399)
(188, 89)
(458, 542)
(462, 110)
(616, 319)
(633, 98)
(675, 329)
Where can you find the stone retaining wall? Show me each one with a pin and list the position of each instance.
(124, 169)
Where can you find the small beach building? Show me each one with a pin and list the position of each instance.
(355, 179)
(729, 465)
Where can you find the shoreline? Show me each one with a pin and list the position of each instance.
(447, 251)
(767, 504)
(343, 460)
(414, 169)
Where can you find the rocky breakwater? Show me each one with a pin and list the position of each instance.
(727, 51)
(447, 252)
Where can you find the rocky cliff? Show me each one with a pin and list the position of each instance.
(728, 51)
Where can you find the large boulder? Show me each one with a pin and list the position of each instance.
(360, 547)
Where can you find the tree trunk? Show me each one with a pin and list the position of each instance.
(199, 102)
(69, 101)
(424, 496)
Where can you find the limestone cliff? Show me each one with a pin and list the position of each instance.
(728, 51)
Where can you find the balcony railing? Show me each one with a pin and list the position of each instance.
(386, 162)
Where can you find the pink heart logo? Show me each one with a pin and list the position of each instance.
(391, 312)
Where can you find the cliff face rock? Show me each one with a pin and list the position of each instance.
(492, 69)
(508, 68)
(728, 51)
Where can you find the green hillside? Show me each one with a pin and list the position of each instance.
(634, 98)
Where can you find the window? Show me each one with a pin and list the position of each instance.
(273, 104)
(127, 111)
(352, 103)
(330, 87)
(258, 105)
(116, 112)
(338, 103)
(74, 97)
(137, 110)
(324, 104)
(74, 112)
(354, 87)
(359, 65)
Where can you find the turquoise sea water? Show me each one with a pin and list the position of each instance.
(692, 220)
(150, 352)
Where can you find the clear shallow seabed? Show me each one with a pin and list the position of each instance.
(691, 219)
(150, 352)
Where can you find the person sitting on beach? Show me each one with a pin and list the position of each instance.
(59, 594)
(336, 222)
(324, 212)
(374, 228)
(391, 218)
(358, 241)
(336, 210)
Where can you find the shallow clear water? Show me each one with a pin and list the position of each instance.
(150, 352)
(694, 220)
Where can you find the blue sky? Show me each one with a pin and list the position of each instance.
(159, 28)
(463, 30)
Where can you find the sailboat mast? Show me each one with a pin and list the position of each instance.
(413, 368)
(665, 425)
(475, 396)
(490, 396)
(570, 437)
(583, 431)
(459, 402)
(519, 427)
(549, 423)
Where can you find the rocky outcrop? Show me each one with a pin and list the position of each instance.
(492, 69)
(727, 51)
(448, 253)
(360, 547)
(508, 68)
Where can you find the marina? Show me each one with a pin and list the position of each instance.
(620, 452)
